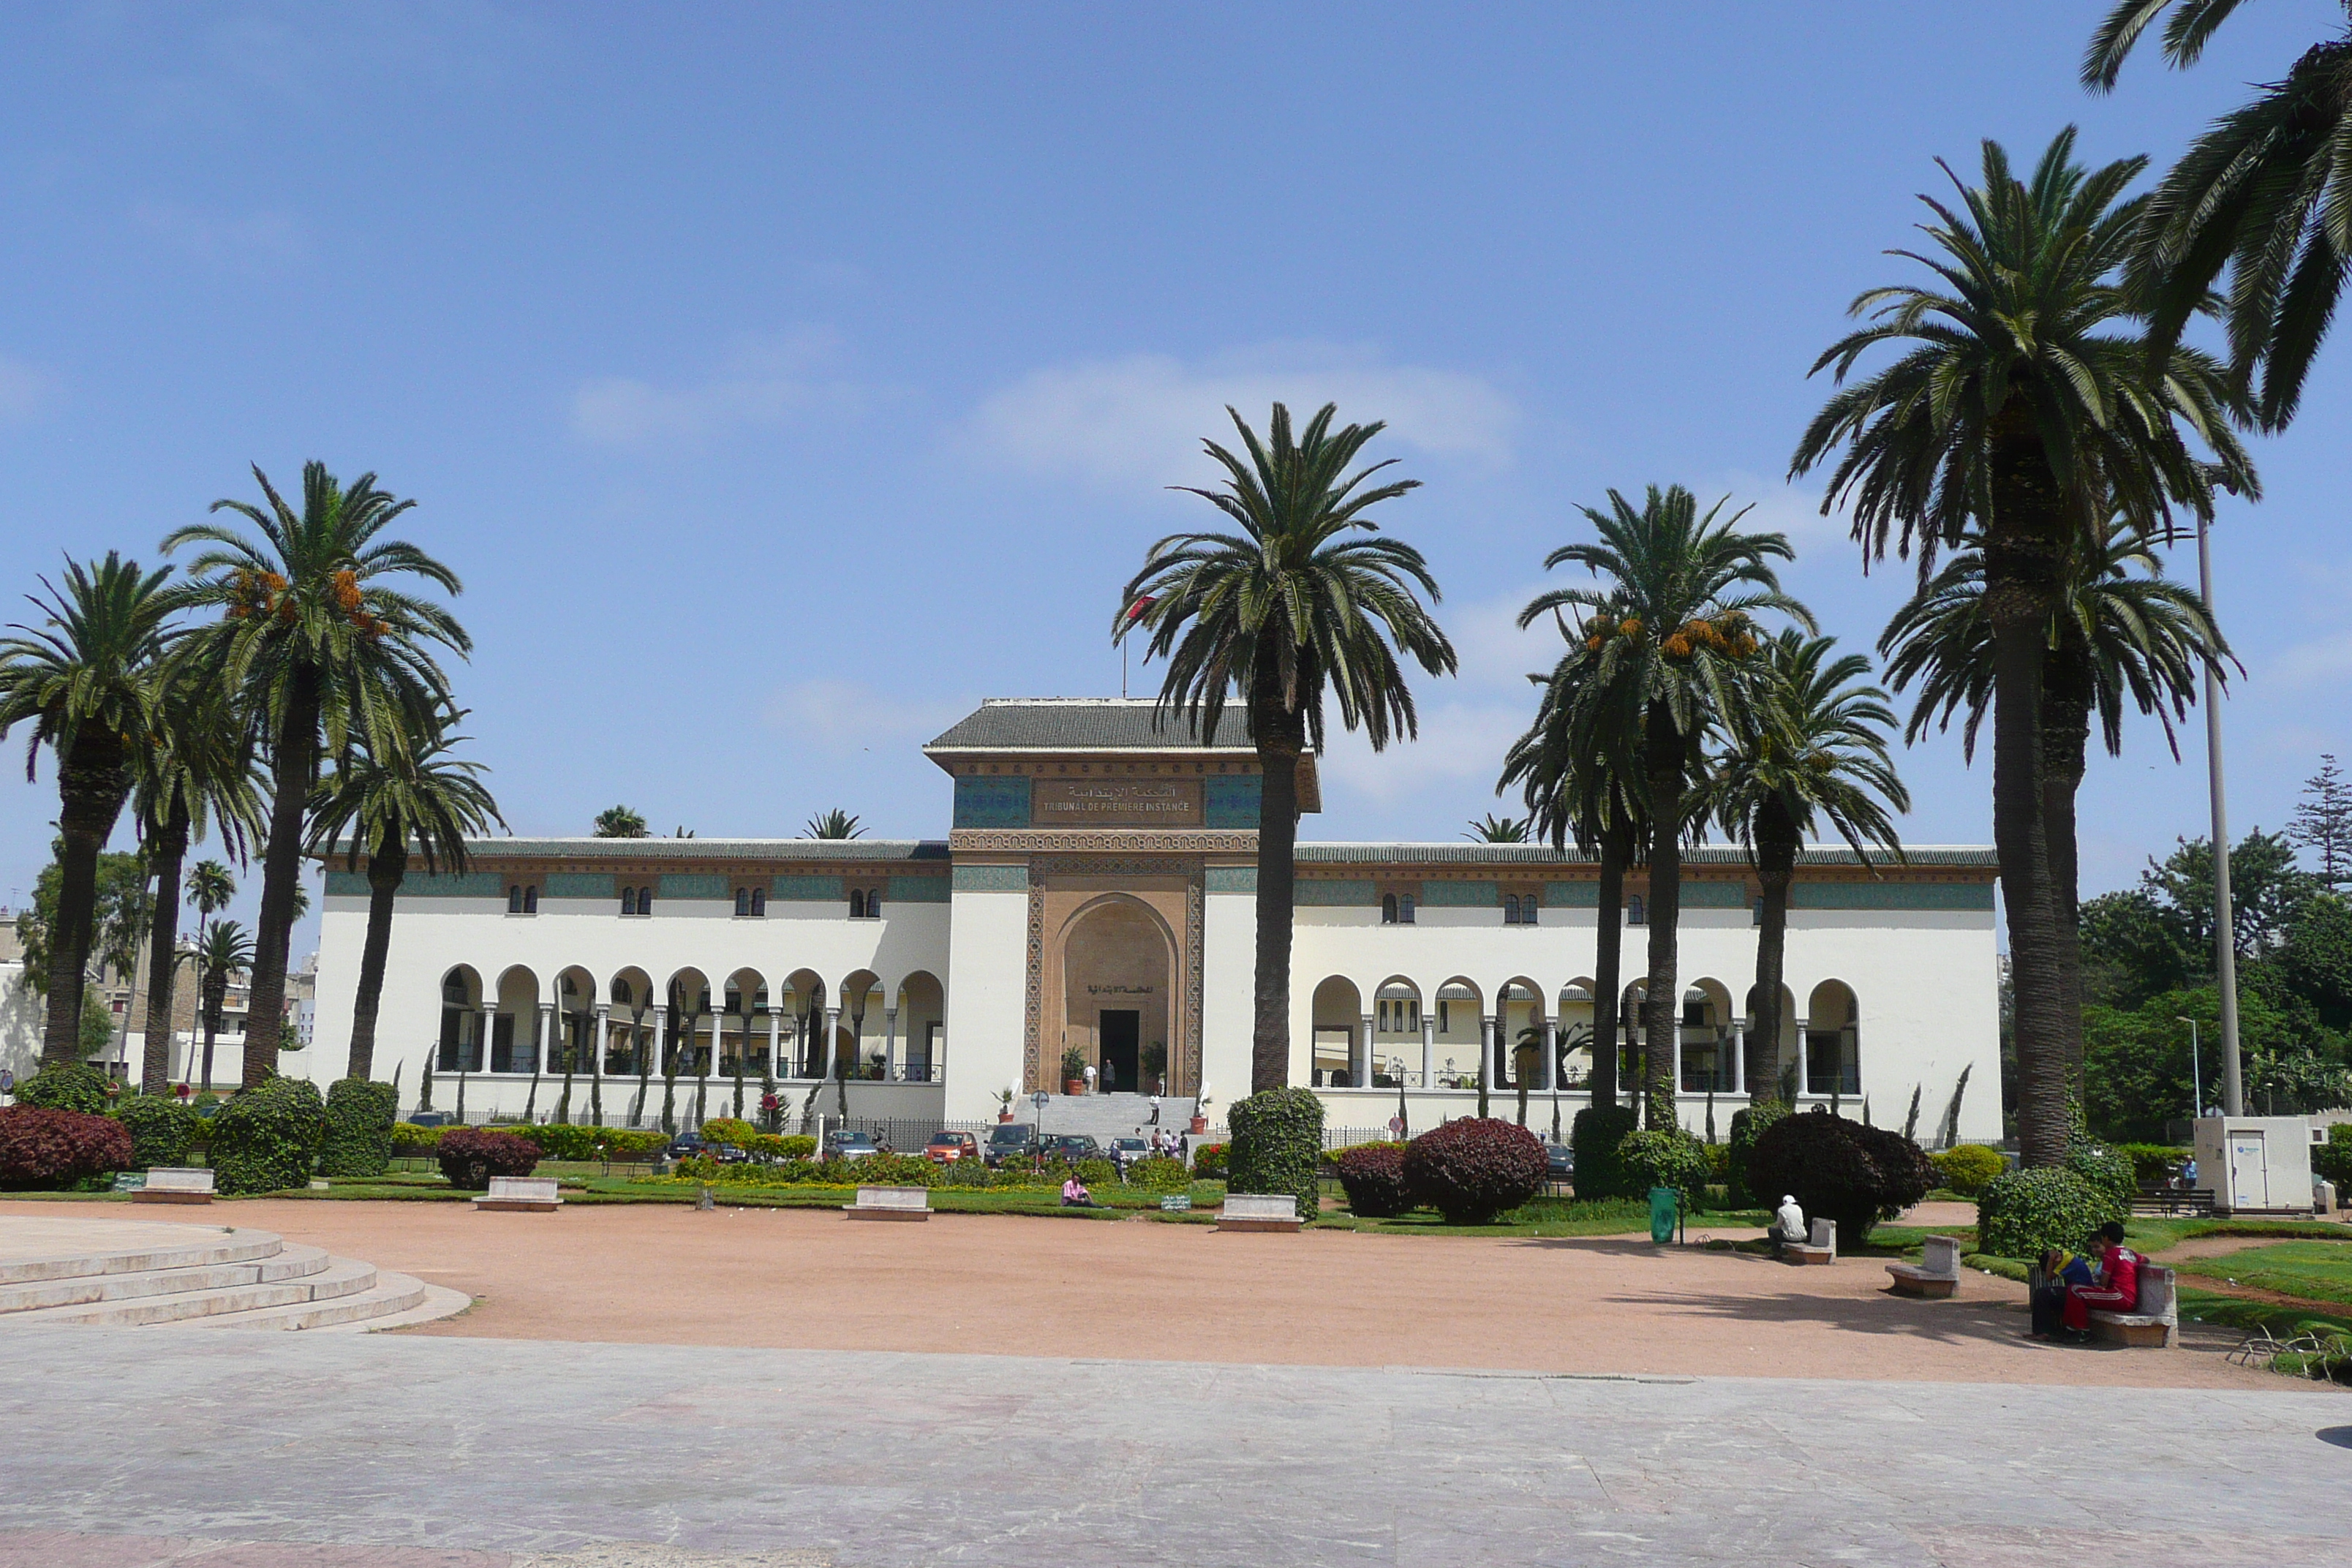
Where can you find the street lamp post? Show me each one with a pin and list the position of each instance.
(2225, 948)
(2195, 1078)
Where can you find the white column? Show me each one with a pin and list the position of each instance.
(1360, 1073)
(827, 1066)
(1428, 1048)
(542, 1042)
(596, 1062)
(889, 1044)
(1547, 1078)
(482, 1047)
(1804, 1067)
(661, 1035)
(775, 1039)
(1488, 1032)
(1738, 1056)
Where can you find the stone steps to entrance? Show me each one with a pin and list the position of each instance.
(126, 1274)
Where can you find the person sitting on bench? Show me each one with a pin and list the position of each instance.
(2060, 1269)
(2116, 1291)
(1788, 1225)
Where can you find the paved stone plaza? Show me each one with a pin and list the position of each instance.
(132, 1446)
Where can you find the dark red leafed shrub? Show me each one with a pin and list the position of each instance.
(1374, 1175)
(470, 1157)
(1473, 1169)
(1210, 1162)
(44, 1148)
(1840, 1170)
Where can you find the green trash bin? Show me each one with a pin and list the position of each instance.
(1662, 1206)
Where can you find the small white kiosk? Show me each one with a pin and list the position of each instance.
(2255, 1164)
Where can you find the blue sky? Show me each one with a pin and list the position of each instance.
(782, 380)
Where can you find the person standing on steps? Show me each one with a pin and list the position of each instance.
(1155, 1110)
(1090, 1078)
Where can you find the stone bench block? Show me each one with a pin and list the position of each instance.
(890, 1203)
(1817, 1251)
(524, 1194)
(1259, 1211)
(2154, 1320)
(175, 1185)
(1936, 1277)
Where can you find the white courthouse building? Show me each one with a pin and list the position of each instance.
(1096, 892)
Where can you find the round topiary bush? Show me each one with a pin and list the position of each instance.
(46, 1148)
(1594, 1138)
(161, 1129)
(2109, 1170)
(1372, 1174)
(1843, 1171)
(266, 1138)
(729, 1130)
(357, 1136)
(1668, 1157)
(470, 1156)
(1277, 1135)
(1473, 1169)
(1153, 1173)
(66, 1086)
(1967, 1167)
(1746, 1126)
(1213, 1162)
(2021, 1214)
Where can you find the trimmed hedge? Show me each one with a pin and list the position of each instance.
(1668, 1157)
(66, 1086)
(407, 1138)
(1473, 1169)
(782, 1146)
(2021, 1214)
(1212, 1162)
(1373, 1176)
(470, 1156)
(41, 1146)
(1967, 1167)
(1595, 1137)
(266, 1138)
(1277, 1135)
(1845, 1170)
(572, 1140)
(729, 1130)
(356, 1140)
(1746, 1126)
(2152, 1163)
(1153, 1173)
(161, 1129)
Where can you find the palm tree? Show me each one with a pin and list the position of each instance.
(326, 651)
(1806, 747)
(1493, 829)
(621, 822)
(412, 797)
(225, 950)
(1673, 627)
(2122, 633)
(211, 889)
(1292, 609)
(85, 680)
(196, 766)
(2265, 192)
(834, 823)
(1580, 771)
(2027, 405)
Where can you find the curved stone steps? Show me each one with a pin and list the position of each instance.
(340, 1276)
(288, 1263)
(387, 1294)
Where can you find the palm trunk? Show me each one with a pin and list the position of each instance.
(169, 847)
(294, 764)
(1776, 841)
(1608, 961)
(91, 783)
(2022, 572)
(1281, 738)
(1661, 1000)
(215, 994)
(386, 868)
(2066, 739)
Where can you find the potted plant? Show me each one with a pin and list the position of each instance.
(1004, 1104)
(1200, 1111)
(1074, 1071)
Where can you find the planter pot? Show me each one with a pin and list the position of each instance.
(1075, 1086)
(1200, 1125)
(1004, 1116)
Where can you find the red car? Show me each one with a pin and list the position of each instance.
(946, 1148)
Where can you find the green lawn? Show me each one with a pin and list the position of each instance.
(1542, 1217)
(2308, 1270)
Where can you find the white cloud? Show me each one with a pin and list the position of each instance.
(23, 391)
(1140, 419)
(243, 241)
(843, 716)
(764, 384)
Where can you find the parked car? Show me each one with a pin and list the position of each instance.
(1562, 1161)
(844, 1143)
(1015, 1141)
(1072, 1147)
(415, 1118)
(729, 1153)
(1126, 1151)
(947, 1148)
(688, 1146)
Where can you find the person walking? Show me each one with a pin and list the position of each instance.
(1155, 1110)
(1090, 1078)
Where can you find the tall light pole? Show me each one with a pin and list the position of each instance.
(2225, 946)
(2195, 1078)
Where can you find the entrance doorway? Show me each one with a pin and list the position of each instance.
(1121, 1033)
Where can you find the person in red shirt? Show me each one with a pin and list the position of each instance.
(2116, 1291)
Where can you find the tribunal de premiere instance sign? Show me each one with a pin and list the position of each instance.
(1116, 803)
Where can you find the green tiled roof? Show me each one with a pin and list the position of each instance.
(691, 849)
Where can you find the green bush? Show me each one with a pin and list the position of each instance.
(966, 1173)
(785, 1146)
(1094, 1172)
(1277, 1135)
(1746, 1126)
(161, 1129)
(1848, 1172)
(1473, 1169)
(1153, 1173)
(407, 1138)
(2152, 1163)
(1211, 1161)
(2109, 1170)
(1667, 1157)
(1595, 1137)
(2332, 1161)
(66, 1086)
(357, 1140)
(266, 1138)
(1967, 1167)
(729, 1130)
(2021, 1214)
(874, 1171)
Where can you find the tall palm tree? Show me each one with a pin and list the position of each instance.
(325, 648)
(409, 798)
(2026, 404)
(621, 822)
(85, 681)
(2122, 634)
(1580, 771)
(197, 769)
(211, 889)
(225, 950)
(1293, 607)
(1672, 624)
(1808, 746)
(2265, 192)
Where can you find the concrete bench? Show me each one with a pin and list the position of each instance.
(1259, 1211)
(1817, 1251)
(520, 1194)
(1935, 1276)
(2154, 1319)
(890, 1203)
(175, 1185)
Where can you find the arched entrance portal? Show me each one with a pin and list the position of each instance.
(1118, 975)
